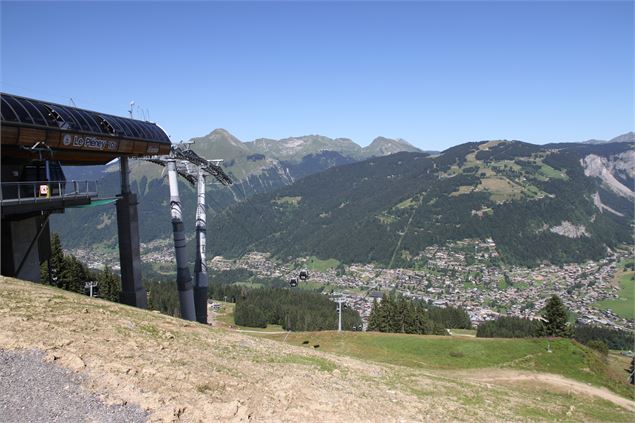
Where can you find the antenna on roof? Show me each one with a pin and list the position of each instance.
(130, 111)
(142, 112)
(72, 102)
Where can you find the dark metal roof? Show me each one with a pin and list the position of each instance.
(22, 111)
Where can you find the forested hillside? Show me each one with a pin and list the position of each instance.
(556, 203)
(259, 166)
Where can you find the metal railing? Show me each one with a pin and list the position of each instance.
(35, 191)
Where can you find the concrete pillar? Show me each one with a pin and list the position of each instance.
(17, 236)
(183, 277)
(132, 292)
(200, 266)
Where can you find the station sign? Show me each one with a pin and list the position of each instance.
(88, 142)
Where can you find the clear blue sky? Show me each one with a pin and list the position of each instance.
(436, 74)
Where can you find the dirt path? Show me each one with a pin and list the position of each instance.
(555, 381)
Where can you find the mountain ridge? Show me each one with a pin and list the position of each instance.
(295, 147)
(482, 175)
(256, 167)
(388, 209)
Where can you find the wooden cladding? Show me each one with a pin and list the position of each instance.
(79, 147)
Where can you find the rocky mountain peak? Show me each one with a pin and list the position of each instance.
(627, 137)
(223, 135)
(382, 146)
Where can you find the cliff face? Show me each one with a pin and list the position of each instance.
(617, 172)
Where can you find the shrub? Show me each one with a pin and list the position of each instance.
(599, 346)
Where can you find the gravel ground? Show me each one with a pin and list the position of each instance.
(34, 391)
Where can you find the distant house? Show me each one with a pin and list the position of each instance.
(376, 295)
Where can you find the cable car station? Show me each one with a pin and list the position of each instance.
(37, 138)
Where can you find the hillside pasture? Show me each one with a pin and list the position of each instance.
(624, 305)
(452, 353)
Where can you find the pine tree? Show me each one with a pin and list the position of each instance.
(401, 309)
(109, 285)
(420, 321)
(555, 314)
(373, 318)
(44, 272)
(56, 261)
(631, 372)
(73, 275)
(389, 319)
(409, 318)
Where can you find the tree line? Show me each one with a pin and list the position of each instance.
(297, 310)
(65, 271)
(163, 296)
(508, 327)
(398, 314)
(554, 323)
(613, 338)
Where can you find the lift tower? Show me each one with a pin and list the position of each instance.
(189, 165)
(200, 265)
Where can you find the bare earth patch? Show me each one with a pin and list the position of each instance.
(553, 381)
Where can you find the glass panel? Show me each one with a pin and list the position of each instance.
(44, 111)
(94, 126)
(7, 112)
(68, 119)
(105, 126)
(159, 134)
(152, 130)
(23, 115)
(38, 118)
(129, 130)
(139, 127)
(113, 122)
(83, 125)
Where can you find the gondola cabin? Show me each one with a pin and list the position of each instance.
(293, 282)
(304, 275)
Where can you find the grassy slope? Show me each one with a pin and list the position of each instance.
(318, 265)
(568, 358)
(176, 368)
(624, 305)
(225, 316)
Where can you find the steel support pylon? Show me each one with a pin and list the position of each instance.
(183, 277)
(200, 265)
